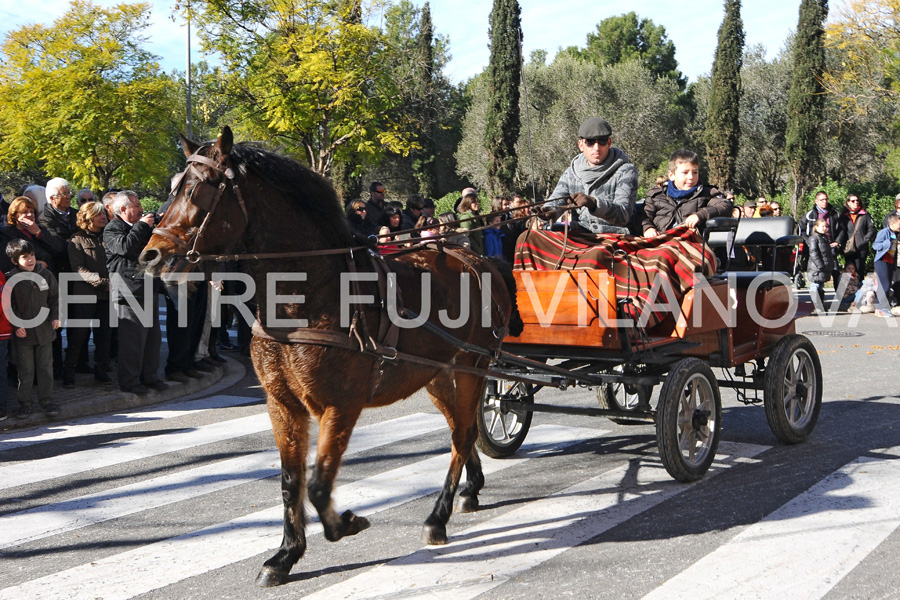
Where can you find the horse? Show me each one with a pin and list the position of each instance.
(289, 221)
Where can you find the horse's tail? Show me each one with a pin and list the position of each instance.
(516, 326)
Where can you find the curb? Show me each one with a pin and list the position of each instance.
(92, 399)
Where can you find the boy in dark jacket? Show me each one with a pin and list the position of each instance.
(32, 346)
(683, 199)
(821, 262)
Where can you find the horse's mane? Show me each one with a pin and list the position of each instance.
(311, 192)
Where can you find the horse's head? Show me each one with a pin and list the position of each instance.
(207, 214)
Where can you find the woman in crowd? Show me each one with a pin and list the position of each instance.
(390, 224)
(22, 224)
(356, 219)
(87, 255)
(854, 233)
(468, 213)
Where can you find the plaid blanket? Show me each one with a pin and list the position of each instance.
(635, 262)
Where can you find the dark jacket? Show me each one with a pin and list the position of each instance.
(87, 256)
(46, 245)
(511, 233)
(63, 226)
(28, 298)
(374, 214)
(810, 218)
(662, 212)
(864, 228)
(408, 220)
(124, 244)
(821, 258)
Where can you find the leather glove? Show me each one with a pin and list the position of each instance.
(550, 213)
(583, 201)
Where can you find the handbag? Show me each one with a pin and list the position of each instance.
(850, 245)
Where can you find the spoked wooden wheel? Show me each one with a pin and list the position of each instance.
(793, 389)
(688, 420)
(502, 428)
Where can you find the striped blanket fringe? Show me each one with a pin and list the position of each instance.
(636, 263)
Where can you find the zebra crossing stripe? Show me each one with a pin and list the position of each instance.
(493, 552)
(99, 424)
(54, 519)
(807, 546)
(33, 471)
(144, 569)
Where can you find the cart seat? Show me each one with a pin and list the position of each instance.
(757, 244)
(743, 279)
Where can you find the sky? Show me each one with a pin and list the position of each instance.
(546, 24)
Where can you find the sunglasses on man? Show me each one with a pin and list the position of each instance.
(589, 142)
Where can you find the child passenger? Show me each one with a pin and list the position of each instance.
(683, 199)
(32, 346)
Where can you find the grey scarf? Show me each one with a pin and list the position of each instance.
(594, 176)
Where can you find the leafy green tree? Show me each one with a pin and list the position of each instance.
(83, 100)
(503, 74)
(806, 98)
(311, 76)
(722, 121)
(866, 34)
(646, 115)
(626, 37)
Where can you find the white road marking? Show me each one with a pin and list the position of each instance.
(493, 552)
(807, 546)
(53, 519)
(99, 424)
(33, 471)
(128, 574)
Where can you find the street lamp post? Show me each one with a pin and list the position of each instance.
(187, 78)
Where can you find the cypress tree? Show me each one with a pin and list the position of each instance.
(424, 159)
(806, 99)
(504, 71)
(723, 130)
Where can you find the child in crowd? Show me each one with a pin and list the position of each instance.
(683, 199)
(32, 346)
(885, 247)
(821, 262)
(493, 237)
(5, 333)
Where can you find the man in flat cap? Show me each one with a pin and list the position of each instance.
(601, 181)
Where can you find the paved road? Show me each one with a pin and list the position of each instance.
(182, 500)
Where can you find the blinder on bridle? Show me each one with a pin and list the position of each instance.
(205, 195)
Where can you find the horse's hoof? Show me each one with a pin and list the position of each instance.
(269, 577)
(434, 535)
(353, 524)
(467, 504)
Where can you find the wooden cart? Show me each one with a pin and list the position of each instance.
(578, 332)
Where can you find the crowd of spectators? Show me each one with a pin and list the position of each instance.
(58, 245)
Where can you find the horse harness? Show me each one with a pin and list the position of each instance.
(383, 344)
(206, 196)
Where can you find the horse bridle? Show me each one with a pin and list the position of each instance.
(205, 196)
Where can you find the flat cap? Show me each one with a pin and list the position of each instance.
(469, 192)
(594, 128)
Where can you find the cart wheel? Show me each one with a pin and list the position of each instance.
(793, 389)
(688, 420)
(501, 430)
(627, 397)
